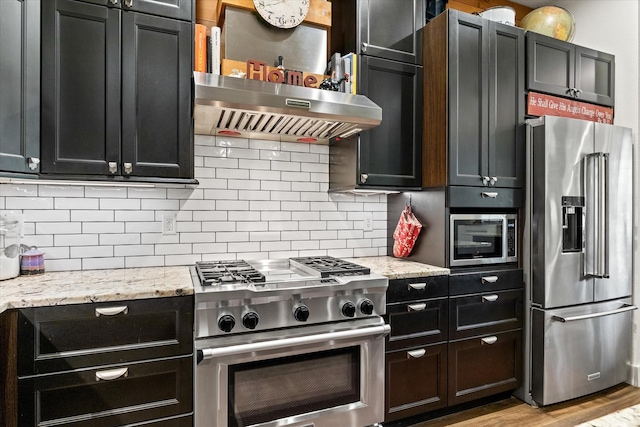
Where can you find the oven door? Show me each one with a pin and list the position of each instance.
(303, 377)
(478, 239)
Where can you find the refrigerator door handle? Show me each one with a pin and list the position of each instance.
(624, 308)
(603, 269)
(590, 232)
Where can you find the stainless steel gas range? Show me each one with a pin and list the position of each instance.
(296, 342)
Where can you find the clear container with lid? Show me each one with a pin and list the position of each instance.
(9, 249)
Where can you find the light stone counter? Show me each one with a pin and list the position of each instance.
(78, 287)
(399, 268)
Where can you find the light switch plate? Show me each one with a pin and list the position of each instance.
(367, 221)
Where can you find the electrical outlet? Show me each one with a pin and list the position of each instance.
(168, 223)
(367, 223)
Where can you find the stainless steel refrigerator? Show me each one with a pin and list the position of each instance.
(577, 258)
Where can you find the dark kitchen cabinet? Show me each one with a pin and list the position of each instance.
(474, 105)
(120, 363)
(379, 28)
(416, 348)
(560, 68)
(485, 333)
(20, 86)
(386, 37)
(388, 155)
(176, 9)
(117, 98)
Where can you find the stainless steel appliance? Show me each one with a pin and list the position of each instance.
(482, 238)
(577, 244)
(296, 342)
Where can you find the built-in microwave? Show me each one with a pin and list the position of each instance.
(482, 238)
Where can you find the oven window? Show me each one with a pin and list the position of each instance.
(278, 388)
(474, 238)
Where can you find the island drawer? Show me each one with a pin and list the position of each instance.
(63, 338)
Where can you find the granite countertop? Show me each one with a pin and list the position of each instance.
(77, 287)
(399, 268)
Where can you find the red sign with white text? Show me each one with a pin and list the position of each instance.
(539, 104)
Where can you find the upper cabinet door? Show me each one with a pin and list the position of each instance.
(564, 69)
(390, 153)
(595, 76)
(468, 86)
(19, 86)
(389, 29)
(383, 28)
(506, 106)
(156, 96)
(550, 64)
(177, 9)
(81, 96)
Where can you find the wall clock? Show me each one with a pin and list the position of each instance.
(282, 13)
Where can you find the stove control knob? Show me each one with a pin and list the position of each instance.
(226, 323)
(366, 307)
(301, 313)
(348, 309)
(250, 320)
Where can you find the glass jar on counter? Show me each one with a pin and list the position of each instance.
(9, 249)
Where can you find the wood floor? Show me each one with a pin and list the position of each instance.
(513, 412)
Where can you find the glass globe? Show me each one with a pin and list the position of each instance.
(552, 21)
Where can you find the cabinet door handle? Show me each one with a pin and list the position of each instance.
(416, 353)
(577, 92)
(111, 374)
(490, 298)
(489, 340)
(416, 307)
(113, 167)
(128, 3)
(492, 195)
(493, 180)
(114, 2)
(485, 180)
(489, 279)
(111, 311)
(33, 163)
(364, 177)
(417, 286)
(128, 168)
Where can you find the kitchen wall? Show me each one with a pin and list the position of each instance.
(256, 199)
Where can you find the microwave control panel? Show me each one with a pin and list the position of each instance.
(511, 237)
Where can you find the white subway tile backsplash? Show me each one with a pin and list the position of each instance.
(29, 203)
(57, 227)
(255, 199)
(60, 191)
(121, 204)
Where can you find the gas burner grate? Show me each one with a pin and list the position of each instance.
(330, 266)
(227, 272)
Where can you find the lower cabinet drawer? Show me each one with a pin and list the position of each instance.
(416, 323)
(485, 313)
(64, 338)
(106, 397)
(416, 381)
(483, 366)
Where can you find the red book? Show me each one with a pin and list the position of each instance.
(200, 50)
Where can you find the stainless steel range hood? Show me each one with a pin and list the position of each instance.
(256, 109)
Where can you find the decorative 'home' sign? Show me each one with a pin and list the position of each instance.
(539, 104)
(259, 70)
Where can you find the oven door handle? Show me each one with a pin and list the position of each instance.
(375, 331)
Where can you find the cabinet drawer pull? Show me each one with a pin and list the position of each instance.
(111, 374)
(490, 298)
(490, 279)
(416, 307)
(416, 353)
(492, 195)
(417, 286)
(111, 311)
(489, 340)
